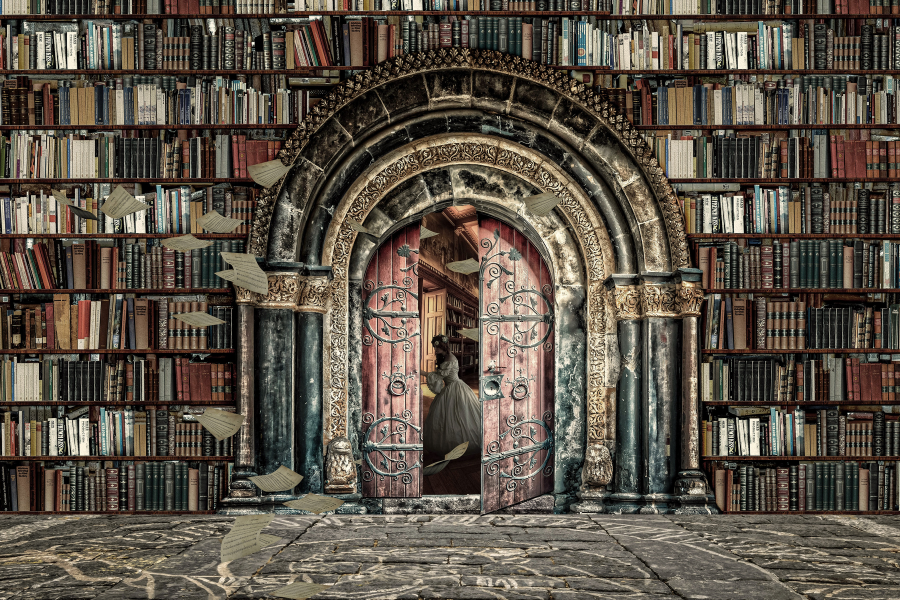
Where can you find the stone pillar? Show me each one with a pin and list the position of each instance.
(242, 490)
(691, 487)
(626, 494)
(659, 405)
(311, 307)
(275, 378)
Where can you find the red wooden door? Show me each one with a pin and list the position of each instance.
(392, 407)
(517, 352)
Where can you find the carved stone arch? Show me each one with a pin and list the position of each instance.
(417, 114)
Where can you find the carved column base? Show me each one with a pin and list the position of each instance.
(623, 503)
(657, 504)
(241, 486)
(274, 503)
(692, 492)
(591, 500)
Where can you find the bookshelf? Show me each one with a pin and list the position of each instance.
(462, 314)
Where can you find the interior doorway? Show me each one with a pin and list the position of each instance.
(458, 347)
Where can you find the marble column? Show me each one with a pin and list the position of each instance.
(626, 494)
(691, 487)
(275, 378)
(311, 308)
(242, 490)
(659, 397)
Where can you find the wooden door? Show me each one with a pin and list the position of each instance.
(392, 407)
(517, 362)
(434, 314)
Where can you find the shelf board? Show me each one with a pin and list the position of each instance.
(118, 236)
(770, 291)
(108, 512)
(105, 458)
(807, 351)
(95, 351)
(795, 403)
(129, 291)
(486, 13)
(181, 72)
(102, 403)
(159, 180)
(798, 236)
(780, 181)
(772, 127)
(802, 458)
(144, 127)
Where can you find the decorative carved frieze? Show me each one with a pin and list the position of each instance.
(283, 291)
(313, 295)
(690, 299)
(244, 296)
(627, 301)
(659, 300)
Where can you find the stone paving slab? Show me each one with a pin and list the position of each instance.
(450, 557)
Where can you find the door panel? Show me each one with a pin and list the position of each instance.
(516, 321)
(434, 309)
(392, 408)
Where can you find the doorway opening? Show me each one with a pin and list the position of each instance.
(458, 347)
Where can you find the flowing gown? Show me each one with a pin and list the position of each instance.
(455, 413)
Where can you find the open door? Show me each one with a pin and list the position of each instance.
(392, 407)
(517, 361)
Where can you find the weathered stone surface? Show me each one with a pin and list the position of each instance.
(421, 556)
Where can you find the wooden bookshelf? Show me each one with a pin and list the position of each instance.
(794, 236)
(132, 403)
(165, 127)
(170, 291)
(120, 236)
(120, 458)
(144, 351)
(806, 351)
(779, 127)
(154, 180)
(459, 13)
(794, 403)
(803, 458)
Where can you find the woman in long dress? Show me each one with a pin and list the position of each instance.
(455, 413)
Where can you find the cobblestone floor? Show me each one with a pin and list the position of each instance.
(554, 557)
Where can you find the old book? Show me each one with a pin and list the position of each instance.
(142, 323)
(169, 482)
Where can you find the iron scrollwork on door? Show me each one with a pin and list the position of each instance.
(392, 434)
(383, 302)
(531, 307)
(524, 451)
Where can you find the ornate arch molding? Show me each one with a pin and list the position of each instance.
(616, 126)
(579, 214)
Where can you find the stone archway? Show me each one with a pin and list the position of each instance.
(454, 107)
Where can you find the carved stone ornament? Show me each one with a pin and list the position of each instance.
(575, 208)
(283, 290)
(340, 470)
(628, 302)
(313, 295)
(659, 301)
(598, 466)
(244, 296)
(486, 60)
(690, 299)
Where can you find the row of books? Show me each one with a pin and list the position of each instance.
(799, 378)
(58, 264)
(838, 209)
(141, 486)
(792, 100)
(784, 325)
(133, 379)
(836, 486)
(170, 210)
(31, 431)
(799, 432)
(751, 155)
(148, 100)
(116, 323)
(107, 155)
(822, 264)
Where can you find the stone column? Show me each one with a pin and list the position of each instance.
(275, 378)
(691, 487)
(659, 405)
(243, 492)
(626, 494)
(311, 307)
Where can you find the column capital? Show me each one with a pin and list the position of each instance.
(313, 294)
(626, 294)
(690, 292)
(284, 288)
(658, 297)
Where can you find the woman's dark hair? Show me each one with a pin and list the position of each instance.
(440, 338)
